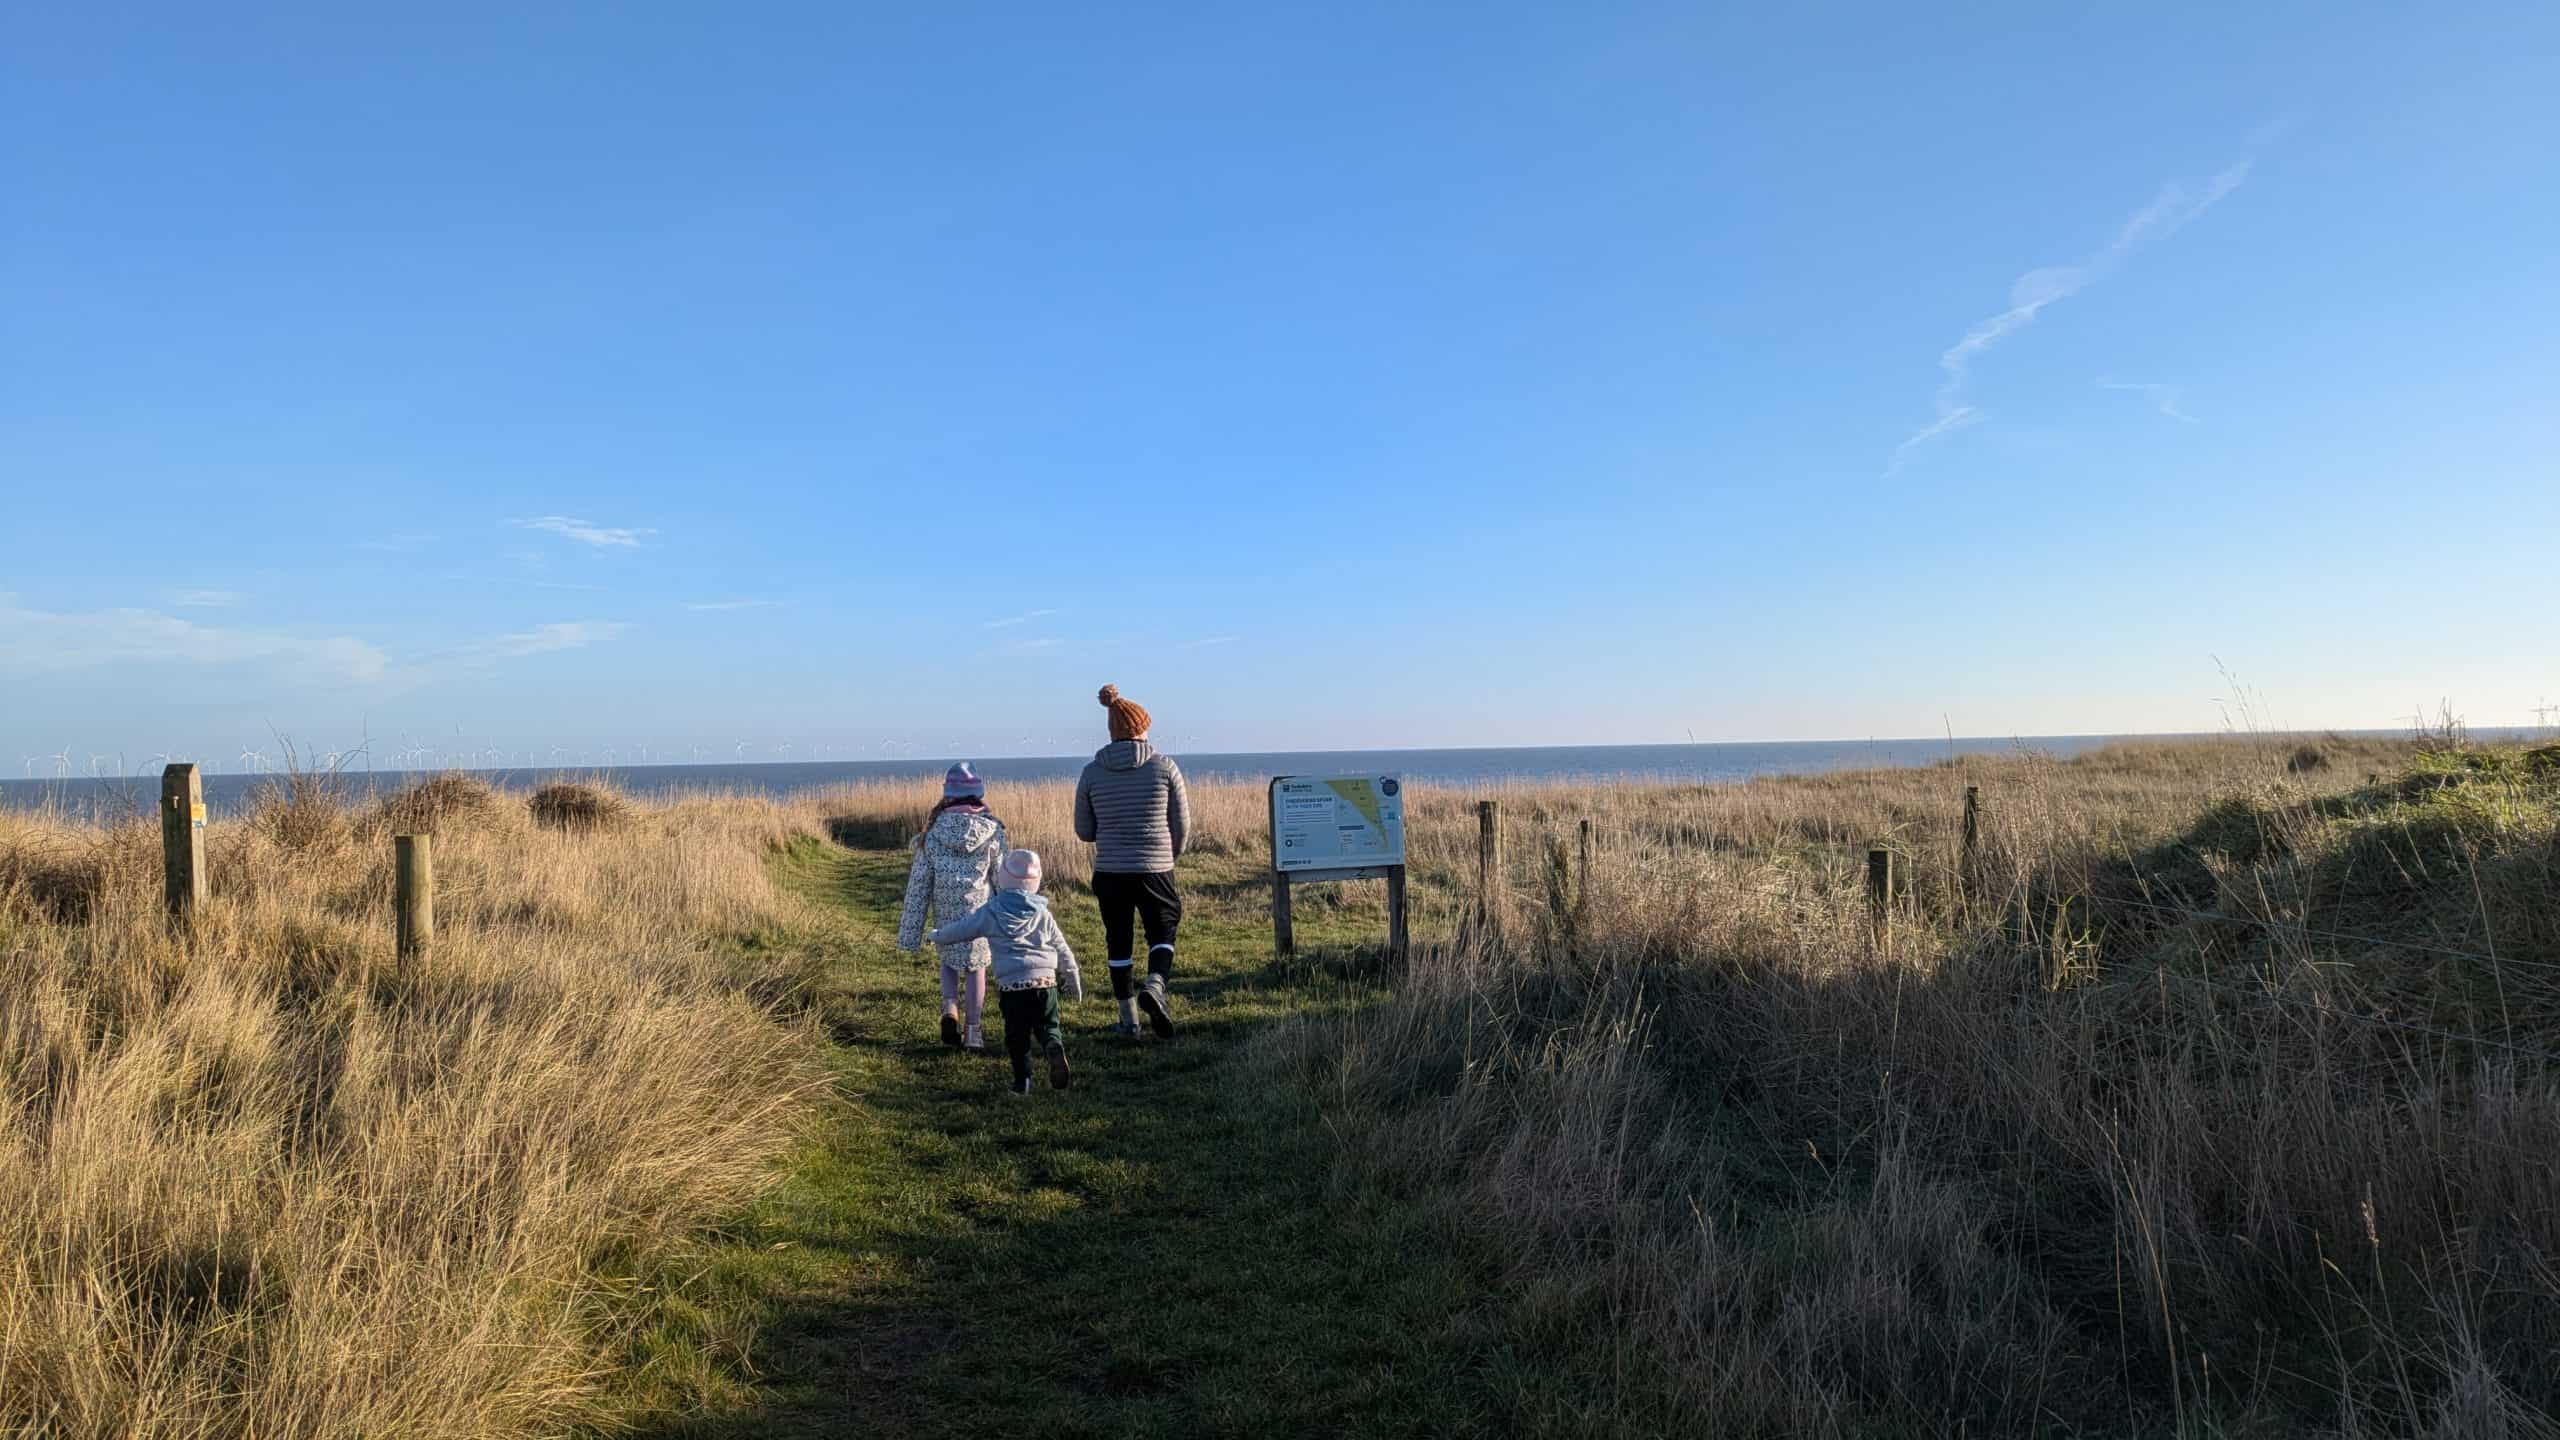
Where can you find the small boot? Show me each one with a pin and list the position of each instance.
(1057, 1066)
(976, 1042)
(951, 1028)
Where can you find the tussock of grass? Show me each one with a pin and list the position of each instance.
(577, 807)
(440, 803)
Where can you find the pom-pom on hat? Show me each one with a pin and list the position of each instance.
(1019, 870)
(1129, 719)
(962, 783)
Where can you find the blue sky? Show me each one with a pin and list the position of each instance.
(872, 381)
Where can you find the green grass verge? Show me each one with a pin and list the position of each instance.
(1163, 1249)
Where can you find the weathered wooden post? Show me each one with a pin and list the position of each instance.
(1561, 910)
(1488, 864)
(413, 897)
(1968, 859)
(1396, 937)
(182, 839)
(1284, 934)
(1880, 893)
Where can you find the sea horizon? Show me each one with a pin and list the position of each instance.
(1703, 762)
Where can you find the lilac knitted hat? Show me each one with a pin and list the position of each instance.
(962, 783)
(1019, 870)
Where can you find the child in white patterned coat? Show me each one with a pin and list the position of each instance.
(953, 874)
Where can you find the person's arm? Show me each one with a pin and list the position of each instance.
(972, 926)
(1070, 980)
(1177, 807)
(919, 892)
(1084, 806)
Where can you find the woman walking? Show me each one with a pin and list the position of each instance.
(1130, 806)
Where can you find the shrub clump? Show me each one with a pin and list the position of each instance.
(439, 803)
(569, 805)
(2306, 760)
(303, 813)
(65, 878)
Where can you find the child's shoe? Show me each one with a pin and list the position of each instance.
(976, 1043)
(1021, 1086)
(1151, 1000)
(1126, 1030)
(1057, 1066)
(951, 1030)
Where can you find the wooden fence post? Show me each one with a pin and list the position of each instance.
(1284, 935)
(413, 900)
(1880, 893)
(182, 839)
(1396, 935)
(1488, 864)
(1969, 858)
(1561, 909)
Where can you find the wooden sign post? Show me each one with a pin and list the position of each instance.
(1325, 828)
(413, 894)
(182, 839)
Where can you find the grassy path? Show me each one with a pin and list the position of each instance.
(1156, 1251)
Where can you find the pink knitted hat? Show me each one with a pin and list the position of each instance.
(1020, 870)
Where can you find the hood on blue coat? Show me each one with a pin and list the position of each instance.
(1017, 916)
(1124, 754)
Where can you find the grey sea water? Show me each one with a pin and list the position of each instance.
(226, 792)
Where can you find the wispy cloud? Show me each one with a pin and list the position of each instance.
(732, 604)
(1025, 618)
(544, 639)
(1209, 640)
(204, 599)
(398, 542)
(2037, 290)
(2163, 396)
(47, 641)
(585, 532)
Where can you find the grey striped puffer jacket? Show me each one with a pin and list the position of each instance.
(1130, 804)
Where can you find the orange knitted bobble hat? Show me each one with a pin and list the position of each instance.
(1129, 719)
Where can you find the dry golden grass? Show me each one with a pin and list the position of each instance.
(2216, 1092)
(268, 1180)
(2063, 1158)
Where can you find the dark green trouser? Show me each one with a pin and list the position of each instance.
(1030, 1019)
